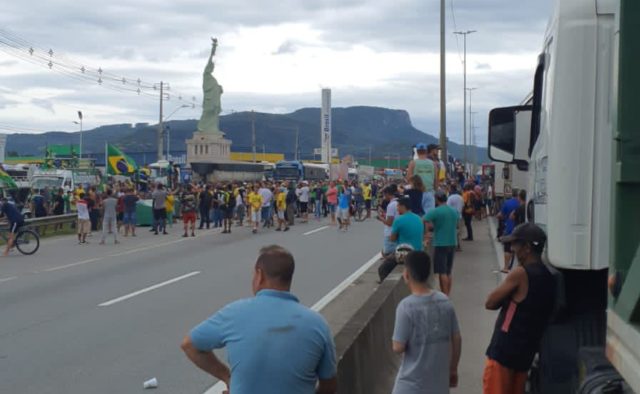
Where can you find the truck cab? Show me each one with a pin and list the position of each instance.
(567, 148)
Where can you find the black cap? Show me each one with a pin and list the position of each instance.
(527, 232)
(431, 147)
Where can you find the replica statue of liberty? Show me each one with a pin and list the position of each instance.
(212, 91)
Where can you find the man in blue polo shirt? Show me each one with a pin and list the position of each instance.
(274, 344)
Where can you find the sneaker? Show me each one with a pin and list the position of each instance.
(165, 233)
(254, 231)
(185, 235)
(286, 229)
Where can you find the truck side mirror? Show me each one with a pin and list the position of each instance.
(502, 135)
(509, 130)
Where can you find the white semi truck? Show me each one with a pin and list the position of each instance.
(582, 153)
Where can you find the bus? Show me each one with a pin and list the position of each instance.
(295, 170)
(288, 171)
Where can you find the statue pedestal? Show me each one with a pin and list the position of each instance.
(208, 148)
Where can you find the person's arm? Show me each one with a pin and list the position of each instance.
(410, 168)
(505, 289)
(206, 361)
(456, 351)
(401, 330)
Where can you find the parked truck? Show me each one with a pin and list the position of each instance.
(582, 154)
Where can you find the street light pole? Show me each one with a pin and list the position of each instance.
(470, 142)
(443, 103)
(464, 91)
(80, 117)
(169, 128)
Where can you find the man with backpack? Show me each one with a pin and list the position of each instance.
(227, 208)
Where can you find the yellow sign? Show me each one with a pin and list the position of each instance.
(248, 156)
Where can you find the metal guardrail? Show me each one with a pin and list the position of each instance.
(45, 221)
(51, 220)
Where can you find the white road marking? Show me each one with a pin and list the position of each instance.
(70, 265)
(7, 279)
(330, 296)
(316, 230)
(219, 387)
(148, 289)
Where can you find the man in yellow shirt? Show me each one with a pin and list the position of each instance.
(366, 194)
(255, 202)
(169, 204)
(281, 206)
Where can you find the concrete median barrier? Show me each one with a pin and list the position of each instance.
(361, 319)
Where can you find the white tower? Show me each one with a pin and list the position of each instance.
(3, 145)
(325, 126)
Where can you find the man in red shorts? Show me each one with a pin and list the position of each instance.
(188, 204)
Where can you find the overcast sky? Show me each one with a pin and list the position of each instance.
(272, 57)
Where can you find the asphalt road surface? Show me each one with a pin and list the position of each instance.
(105, 318)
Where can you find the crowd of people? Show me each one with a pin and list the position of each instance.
(423, 218)
(113, 207)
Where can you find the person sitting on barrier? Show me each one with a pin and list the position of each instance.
(391, 261)
(275, 344)
(426, 333)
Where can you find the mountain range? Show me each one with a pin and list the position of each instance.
(355, 130)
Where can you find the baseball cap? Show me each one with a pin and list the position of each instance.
(401, 252)
(527, 232)
(433, 146)
(421, 146)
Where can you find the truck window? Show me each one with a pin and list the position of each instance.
(538, 87)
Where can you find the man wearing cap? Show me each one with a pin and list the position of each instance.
(427, 170)
(526, 301)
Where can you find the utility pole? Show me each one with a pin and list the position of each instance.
(80, 117)
(472, 133)
(470, 113)
(443, 103)
(253, 135)
(160, 124)
(464, 90)
(470, 142)
(297, 141)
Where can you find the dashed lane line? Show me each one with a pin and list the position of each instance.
(148, 289)
(316, 230)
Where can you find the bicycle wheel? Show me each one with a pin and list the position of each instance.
(27, 242)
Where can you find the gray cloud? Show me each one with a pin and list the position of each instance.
(144, 30)
(44, 104)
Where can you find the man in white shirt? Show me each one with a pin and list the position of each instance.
(84, 223)
(456, 201)
(387, 218)
(267, 196)
(304, 201)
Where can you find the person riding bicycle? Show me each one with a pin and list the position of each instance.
(15, 219)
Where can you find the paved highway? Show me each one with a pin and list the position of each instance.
(103, 319)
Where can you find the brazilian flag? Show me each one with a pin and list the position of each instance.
(7, 181)
(119, 163)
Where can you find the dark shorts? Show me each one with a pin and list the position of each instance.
(367, 204)
(15, 227)
(303, 207)
(506, 247)
(227, 213)
(160, 214)
(443, 259)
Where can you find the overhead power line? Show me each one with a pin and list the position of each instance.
(59, 63)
